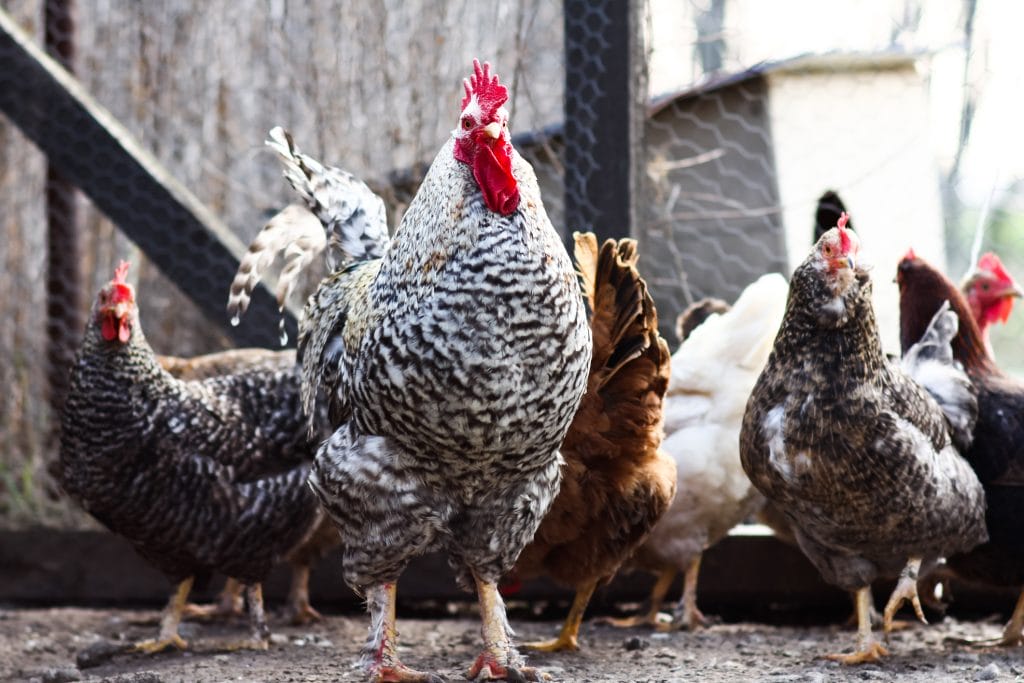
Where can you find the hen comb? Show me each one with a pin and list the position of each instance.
(910, 255)
(991, 262)
(845, 243)
(121, 272)
(489, 92)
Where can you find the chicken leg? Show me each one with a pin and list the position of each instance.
(499, 660)
(568, 637)
(906, 589)
(686, 616)
(299, 610)
(259, 637)
(229, 604)
(169, 620)
(380, 654)
(1012, 632)
(868, 649)
(653, 616)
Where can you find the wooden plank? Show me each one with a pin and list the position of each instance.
(86, 143)
(749, 577)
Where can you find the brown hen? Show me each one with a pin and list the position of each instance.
(616, 483)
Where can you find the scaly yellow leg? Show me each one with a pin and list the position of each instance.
(169, 621)
(499, 660)
(906, 589)
(868, 649)
(653, 616)
(568, 637)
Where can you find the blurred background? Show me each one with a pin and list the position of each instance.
(736, 115)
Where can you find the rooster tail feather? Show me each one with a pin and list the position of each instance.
(931, 364)
(293, 232)
(353, 216)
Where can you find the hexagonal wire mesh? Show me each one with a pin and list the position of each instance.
(714, 209)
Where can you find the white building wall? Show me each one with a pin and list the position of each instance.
(865, 135)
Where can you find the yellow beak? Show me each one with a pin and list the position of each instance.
(493, 130)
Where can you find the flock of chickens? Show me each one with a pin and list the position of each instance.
(464, 386)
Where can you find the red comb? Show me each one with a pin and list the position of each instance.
(489, 92)
(910, 255)
(994, 265)
(844, 218)
(121, 272)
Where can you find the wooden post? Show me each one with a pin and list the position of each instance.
(605, 92)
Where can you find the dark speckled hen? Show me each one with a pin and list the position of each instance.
(199, 476)
(858, 455)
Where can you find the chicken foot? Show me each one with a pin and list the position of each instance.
(1012, 632)
(169, 621)
(299, 610)
(499, 660)
(686, 616)
(906, 589)
(868, 649)
(568, 637)
(380, 654)
(259, 637)
(229, 604)
(654, 616)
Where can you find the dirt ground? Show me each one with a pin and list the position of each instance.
(50, 646)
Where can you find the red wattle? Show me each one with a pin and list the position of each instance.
(124, 332)
(493, 173)
(108, 329)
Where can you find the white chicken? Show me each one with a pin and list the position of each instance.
(713, 373)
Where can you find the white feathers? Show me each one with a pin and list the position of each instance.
(931, 364)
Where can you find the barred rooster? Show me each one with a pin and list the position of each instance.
(199, 476)
(452, 359)
(616, 483)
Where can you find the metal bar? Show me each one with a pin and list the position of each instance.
(605, 85)
(86, 143)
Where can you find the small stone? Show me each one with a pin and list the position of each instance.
(966, 657)
(814, 677)
(278, 639)
(635, 643)
(62, 675)
(989, 673)
(99, 653)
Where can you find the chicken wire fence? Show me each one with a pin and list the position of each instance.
(374, 88)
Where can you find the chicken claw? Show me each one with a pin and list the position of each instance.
(152, 646)
(868, 649)
(568, 637)
(906, 589)
(1013, 632)
(229, 604)
(380, 654)
(169, 620)
(488, 665)
(499, 660)
(299, 611)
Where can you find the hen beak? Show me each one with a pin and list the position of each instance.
(851, 262)
(492, 130)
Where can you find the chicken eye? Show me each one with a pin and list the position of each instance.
(467, 123)
(827, 250)
(984, 287)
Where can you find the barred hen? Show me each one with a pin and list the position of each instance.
(230, 603)
(452, 367)
(997, 452)
(616, 483)
(199, 476)
(858, 455)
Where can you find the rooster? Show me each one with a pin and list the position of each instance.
(997, 452)
(859, 456)
(616, 483)
(712, 375)
(990, 291)
(452, 366)
(199, 476)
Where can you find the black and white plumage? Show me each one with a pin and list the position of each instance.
(856, 454)
(452, 367)
(342, 218)
(199, 476)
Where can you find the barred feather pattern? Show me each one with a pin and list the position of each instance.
(352, 215)
(616, 482)
(459, 360)
(198, 475)
(294, 234)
